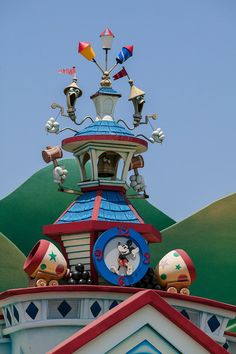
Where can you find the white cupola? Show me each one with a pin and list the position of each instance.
(105, 101)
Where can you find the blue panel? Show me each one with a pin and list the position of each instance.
(115, 208)
(213, 323)
(81, 206)
(16, 313)
(185, 314)
(108, 90)
(113, 304)
(105, 128)
(9, 317)
(144, 347)
(32, 310)
(226, 346)
(95, 309)
(64, 308)
(81, 210)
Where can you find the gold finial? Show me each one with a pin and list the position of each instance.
(106, 80)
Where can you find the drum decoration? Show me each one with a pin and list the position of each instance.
(45, 264)
(175, 272)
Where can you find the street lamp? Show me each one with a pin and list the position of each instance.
(107, 38)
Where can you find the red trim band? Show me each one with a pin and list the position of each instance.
(114, 289)
(134, 210)
(97, 204)
(65, 211)
(35, 256)
(230, 334)
(189, 263)
(94, 274)
(127, 308)
(106, 187)
(54, 231)
(84, 138)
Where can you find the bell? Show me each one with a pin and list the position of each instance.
(107, 164)
(72, 92)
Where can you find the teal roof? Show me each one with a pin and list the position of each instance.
(113, 207)
(108, 90)
(105, 127)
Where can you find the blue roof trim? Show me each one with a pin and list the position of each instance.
(81, 210)
(108, 90)
(105, 127)
(115, 208)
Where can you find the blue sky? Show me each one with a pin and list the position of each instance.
(184, 59)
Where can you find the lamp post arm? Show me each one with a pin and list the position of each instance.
(67, 128)
(112, 68)
(62, 112)
(98, 65)
(68, 190)
(147, 119)
(85, 118)
(148, 139)
(122, 121)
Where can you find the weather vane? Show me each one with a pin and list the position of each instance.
(104, 99)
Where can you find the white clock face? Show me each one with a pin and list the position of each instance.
(121, 256)
(115, 258)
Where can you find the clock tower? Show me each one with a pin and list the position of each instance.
(101, 229)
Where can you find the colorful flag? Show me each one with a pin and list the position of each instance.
(68, 71)
(120, 74)
(125, 53)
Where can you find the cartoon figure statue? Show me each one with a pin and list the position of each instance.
(126, 251)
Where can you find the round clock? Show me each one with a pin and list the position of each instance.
(121, 256)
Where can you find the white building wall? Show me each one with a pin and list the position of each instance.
(5, 341)
(78, 249)
(39, 340)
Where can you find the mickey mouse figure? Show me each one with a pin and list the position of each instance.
(126, 251)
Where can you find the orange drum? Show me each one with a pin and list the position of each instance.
(45, 264)
(175, 271)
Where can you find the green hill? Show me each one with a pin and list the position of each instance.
(232, 327)
(37, 202)
(209, 237)
(11, 265)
